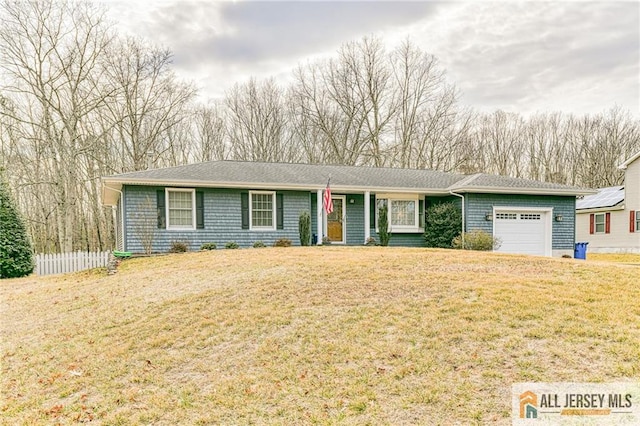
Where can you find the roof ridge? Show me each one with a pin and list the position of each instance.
(350, 166)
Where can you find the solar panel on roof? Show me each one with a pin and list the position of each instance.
(606, 197)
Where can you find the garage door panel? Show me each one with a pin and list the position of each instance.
(522, 232)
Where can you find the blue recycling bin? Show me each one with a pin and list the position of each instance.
(580, 252)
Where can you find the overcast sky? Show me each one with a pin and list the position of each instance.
(519, 56)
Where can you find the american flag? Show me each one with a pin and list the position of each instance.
(327, 201)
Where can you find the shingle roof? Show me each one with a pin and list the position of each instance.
(606, 197)
(483, 180)
(312, 177)
(277, 174)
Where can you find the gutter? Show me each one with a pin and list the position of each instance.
(262, 185)
(525, 191)
(600, 209)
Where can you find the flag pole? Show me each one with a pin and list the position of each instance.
(327, 204)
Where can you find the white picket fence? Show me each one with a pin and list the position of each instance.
(61, 263)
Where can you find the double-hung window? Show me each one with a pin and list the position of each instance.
(181, 212)
(637, 220)
(262, 210)
(600, 223)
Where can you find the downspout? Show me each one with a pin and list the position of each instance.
(461, 196)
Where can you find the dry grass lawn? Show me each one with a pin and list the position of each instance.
(629, 258)
(329, 335)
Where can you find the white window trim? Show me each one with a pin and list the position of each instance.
(275, 208)
(548, 224)
(400, 197)
(604, 223)
(193, 209)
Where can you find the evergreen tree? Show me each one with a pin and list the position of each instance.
(16, 254)
(442, 225)
(383, 226)
(304, 226)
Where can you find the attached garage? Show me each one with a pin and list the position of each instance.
(523, 231)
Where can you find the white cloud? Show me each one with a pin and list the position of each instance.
(532, 56)
(518, 56)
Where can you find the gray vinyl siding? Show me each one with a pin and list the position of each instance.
(355, 219)
(404, 240)
(222, 220)
(314, 215)
(477, 206)
(447, 199)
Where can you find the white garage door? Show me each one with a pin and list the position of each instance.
(523, 232)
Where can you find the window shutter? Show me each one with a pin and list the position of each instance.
(372, 211)
(162, 212)
(279, 211)
(592, 223)
(632, 221)
(607, 223)
(199, 210)
(244, 205)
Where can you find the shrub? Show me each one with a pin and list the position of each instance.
(371, 242)
(16, 254)
(259, 244)
(326, 241)
(178, 247)
(231, 245)
(145, 224)
(208, 246)
(304, 227)
(383, 226)
(282, 242)
(476, 239)
(443, 223)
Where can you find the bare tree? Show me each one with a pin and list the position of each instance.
(425, 113)
(51, 54)
(149, 102)
(257, 122)
(209, 133)
(77, 105)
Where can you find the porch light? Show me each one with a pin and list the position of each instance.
(558, 218)
(488, 217)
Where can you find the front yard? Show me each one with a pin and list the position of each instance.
(362, 335)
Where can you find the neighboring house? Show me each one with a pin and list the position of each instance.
(245, 202)
(610, 220)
